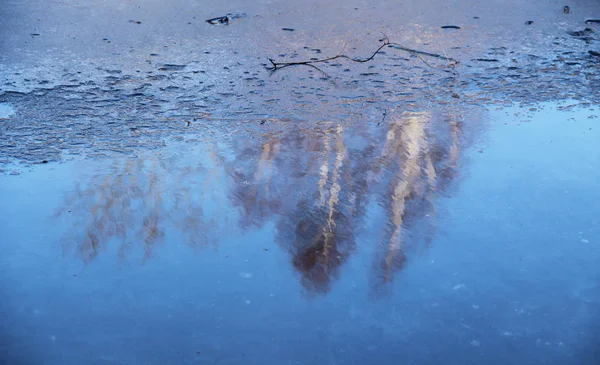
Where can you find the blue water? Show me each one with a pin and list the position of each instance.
(212, 251)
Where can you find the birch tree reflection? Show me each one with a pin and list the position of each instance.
(320, 185)
(326, 178)
(418, 161)
(132, 203)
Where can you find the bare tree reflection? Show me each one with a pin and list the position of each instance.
(318, 185)
(331, 186)
(424, 162)
(318, 232)
(131, 204)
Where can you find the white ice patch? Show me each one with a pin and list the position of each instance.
(6, 111)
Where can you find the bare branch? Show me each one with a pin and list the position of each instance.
(386, 43)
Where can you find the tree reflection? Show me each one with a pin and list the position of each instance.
(324, 192)
(319, 185)
(131, 203)
(420, 162)
(318, 232)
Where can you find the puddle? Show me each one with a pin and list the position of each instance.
(168, 197)
(465, 232)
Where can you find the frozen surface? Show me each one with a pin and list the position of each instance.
(6, 111)
(430, 239)
(86, 74)
(166, 199)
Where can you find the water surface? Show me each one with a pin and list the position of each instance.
(431, 237)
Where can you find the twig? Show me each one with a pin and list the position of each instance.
(467, 327)
(386, 43)
(279, 65)
(327, 77)
(318, 69)
(384, 115)
(416, 52)
(425, 62)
